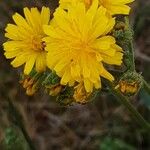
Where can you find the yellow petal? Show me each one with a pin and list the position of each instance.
(29, 64)
(41, 62)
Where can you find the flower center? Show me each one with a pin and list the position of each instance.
(37, 44)
(79, 46)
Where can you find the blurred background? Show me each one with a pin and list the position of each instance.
(101, 125)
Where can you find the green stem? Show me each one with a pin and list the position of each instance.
(123, 100)
(132, 57)
(17, 118)
(130, 46)
(146, 86)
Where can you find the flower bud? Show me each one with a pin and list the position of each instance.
(29, 84)
(80, 94)
(130, 84)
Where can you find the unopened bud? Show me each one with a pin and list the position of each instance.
(80, 94)
(130, 83)
(29, 84)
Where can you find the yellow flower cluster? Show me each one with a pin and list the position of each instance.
(75, 44)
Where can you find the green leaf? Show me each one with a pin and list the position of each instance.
(13, 140)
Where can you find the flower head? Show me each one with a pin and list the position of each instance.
(25, 43)
(112, 6)
(78, 46)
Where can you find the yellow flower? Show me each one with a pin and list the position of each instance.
(77, 45)
(116, 6)
(25, 43)
(112, 6)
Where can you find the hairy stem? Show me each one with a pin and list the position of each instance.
(132, 57)
(130, 46)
